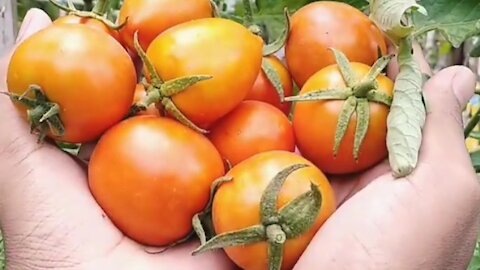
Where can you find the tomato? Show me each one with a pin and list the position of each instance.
(152, 17)
(221, 48)
(151, 175)
(263, 89)
(86, 72)
(251, 128)
(315, 124)
(320, 25)
(236, 204)
(90, 22)
(140, 94)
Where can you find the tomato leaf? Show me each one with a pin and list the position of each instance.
(475, 157)
(407, 114)
(456, 20)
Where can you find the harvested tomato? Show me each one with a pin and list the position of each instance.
(263, 89)
(315, 123)
(152, 17)
(320, 25)
(151, 175)
(140, 94)
(251, 128)
(90, 22)
(237, 204)
(86, 76)
(208, 47)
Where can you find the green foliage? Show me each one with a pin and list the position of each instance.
(2, 253)
(24, 5)
(475, 262)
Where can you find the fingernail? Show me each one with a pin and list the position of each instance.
(463, 85)
(25, 25)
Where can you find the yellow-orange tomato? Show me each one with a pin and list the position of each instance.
(236, 205)
(140, 94)
(90, 22)
(86, 72)
(221, 48)
(151, 17)
(263, 89)
(251, 128)
(151, 175)
(315, 124)
(320, 25)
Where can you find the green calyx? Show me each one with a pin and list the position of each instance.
(43, 115)
(162, 92)
(99, 11)
(277, 226)
(357, 95)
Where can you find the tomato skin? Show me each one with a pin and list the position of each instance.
(85, 71)
(90, 22)
(251, 128)
(208, 47)
(320, 25)
(140, 94)
(151, 175)
(236, 205)
(263, 89)
(152, 17)
(316, 141)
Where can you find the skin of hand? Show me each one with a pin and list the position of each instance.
(427, 221)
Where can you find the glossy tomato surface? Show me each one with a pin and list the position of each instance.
(217, 47)
(263, 89)
(86, 72)
(151, 175)
(251, 128)
(90, 22)
(320, 25)
(315, 125)
(236, 205)
(151, 17)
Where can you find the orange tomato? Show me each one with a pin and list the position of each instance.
(251, 128)
(315, 124)
(320, 25)
(90, 22)
(152, 17)
(236, 204)
(263, 89)
(86, 72)
(151, 175)
(208, 47)
(140, 94)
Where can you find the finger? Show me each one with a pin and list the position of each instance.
(393, 67)
(446, 95)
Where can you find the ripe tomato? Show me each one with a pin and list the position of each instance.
(251, 128)
(140, 94)
(236, 204)
(151, 17)
(87, 73)
(151, 175)
(90, 22)
(320, 25)
(208, 47)
(315, 124)
(263, 89)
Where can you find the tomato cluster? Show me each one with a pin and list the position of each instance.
(210, 110)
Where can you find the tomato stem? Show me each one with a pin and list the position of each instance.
(472, 124)
(248, 17)
(362, 88)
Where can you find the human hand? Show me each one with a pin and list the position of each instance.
(47, 214)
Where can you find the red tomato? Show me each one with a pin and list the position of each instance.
(90, 22)
(263, 89)
(320, 25)
(151, 175)
(151, 17)
(315, 125)
(251, 128)
(86, 72)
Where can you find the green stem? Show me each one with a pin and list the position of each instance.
(101, 7)
(361, 89)
(248, 19)
(472, 124)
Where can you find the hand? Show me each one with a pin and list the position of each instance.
(47, 214)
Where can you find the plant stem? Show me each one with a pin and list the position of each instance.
(472, 124)
(361, 90)
(248, 18)
(101, 7)
(87, 5)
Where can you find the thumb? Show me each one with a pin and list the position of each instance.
(34, 21)
(446, 95)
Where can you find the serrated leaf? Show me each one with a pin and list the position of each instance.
(390, 16)
(456, 20)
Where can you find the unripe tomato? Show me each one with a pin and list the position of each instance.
(86, 72)
(263, 89)
(320, 25)
(90, 22)
(221, 48)
(315, 124)
(151, 175)
(151, 17)
(251, 128)
(236, 204)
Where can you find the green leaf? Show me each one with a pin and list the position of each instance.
(456, 20)
(475, 157)
(407, 114)
(2, 253)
